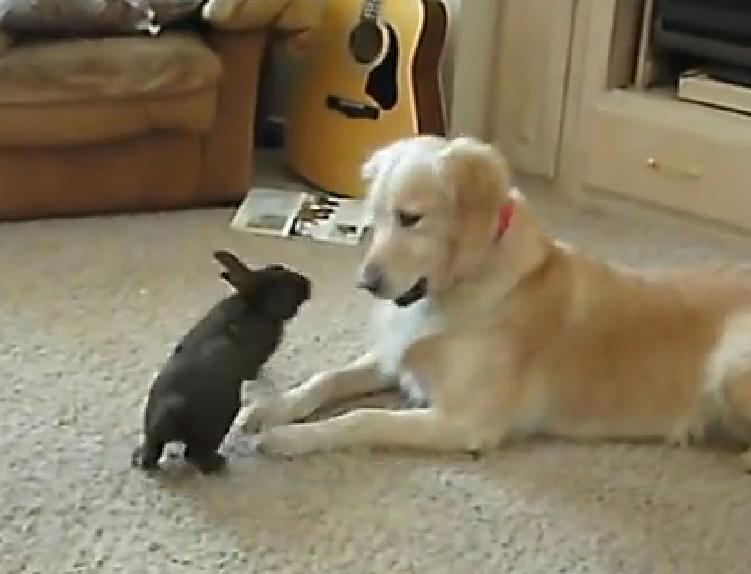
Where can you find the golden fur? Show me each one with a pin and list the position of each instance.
(519, 334)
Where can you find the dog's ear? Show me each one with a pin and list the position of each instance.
(379, 162)
(478, 180)
(375, 171)
(384, 159)
(235, 273)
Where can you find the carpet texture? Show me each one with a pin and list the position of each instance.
(88, 310)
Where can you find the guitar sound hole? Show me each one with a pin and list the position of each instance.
(383, 81)
(366, 42)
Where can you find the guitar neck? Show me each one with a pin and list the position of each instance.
(371, 10)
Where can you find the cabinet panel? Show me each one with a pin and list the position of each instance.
(530, 81)
(681, 156)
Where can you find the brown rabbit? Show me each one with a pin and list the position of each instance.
(196, 396)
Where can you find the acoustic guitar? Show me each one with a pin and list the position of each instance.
(373, 77)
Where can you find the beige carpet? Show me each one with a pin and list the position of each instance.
(88, 309)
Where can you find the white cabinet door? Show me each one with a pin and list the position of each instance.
(532, 56)
(471, 57)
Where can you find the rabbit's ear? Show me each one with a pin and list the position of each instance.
(236, 273)
(229, 260)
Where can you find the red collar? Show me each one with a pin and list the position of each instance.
(504, 218)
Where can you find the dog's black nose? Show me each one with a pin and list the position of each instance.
(371, 279)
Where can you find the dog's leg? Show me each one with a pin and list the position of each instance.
(424, 429)
(358, 378)
(413, 395)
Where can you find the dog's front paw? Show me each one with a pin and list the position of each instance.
(262, 414)
(247, 422)
(255, 416)
(283, 441)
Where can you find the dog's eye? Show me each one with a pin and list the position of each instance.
(407, 219)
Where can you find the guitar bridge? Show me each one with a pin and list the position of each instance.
(352, 109)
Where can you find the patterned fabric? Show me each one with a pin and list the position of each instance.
(75, 16)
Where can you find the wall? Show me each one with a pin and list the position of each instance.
(472, 75)
(448, 72)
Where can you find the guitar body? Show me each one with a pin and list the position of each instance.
(369, 82)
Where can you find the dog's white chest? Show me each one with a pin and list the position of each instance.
(395, 329)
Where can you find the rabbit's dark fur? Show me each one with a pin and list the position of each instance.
(196, 396)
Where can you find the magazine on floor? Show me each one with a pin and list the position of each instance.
(317, 216)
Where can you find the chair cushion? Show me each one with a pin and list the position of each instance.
(85, 90)
(75, 16)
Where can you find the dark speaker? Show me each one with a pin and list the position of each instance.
(715, 32)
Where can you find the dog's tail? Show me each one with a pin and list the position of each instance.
(165, 421)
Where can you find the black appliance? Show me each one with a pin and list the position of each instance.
(715, 34)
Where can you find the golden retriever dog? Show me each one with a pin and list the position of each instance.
(497, 330)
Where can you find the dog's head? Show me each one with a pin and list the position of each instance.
(275, 289)
(435, 206)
